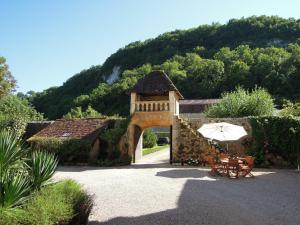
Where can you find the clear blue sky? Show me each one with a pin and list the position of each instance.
(46, 42)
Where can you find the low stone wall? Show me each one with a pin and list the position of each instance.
(196, 120)
(188, 144)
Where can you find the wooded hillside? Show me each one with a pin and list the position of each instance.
(203, 62)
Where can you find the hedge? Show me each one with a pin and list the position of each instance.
(149, 139)
(278, 136)
(63, 203)
(68, 150)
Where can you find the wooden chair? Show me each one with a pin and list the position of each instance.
(232, 167)
(223, 155)
(215, 167)
(246, 169)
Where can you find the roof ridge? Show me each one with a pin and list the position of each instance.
(157, 82)
(84, 128)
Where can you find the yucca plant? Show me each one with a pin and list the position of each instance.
(16, 190)
(11, 153)
(41, 167)
(11, 156)
(20, 172)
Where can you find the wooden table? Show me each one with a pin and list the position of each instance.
(226, 166)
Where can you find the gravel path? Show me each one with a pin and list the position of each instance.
(155, 193)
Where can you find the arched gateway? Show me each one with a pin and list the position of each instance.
(154, 102)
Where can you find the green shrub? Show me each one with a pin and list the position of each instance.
(112, 136)
(68, 150)
(276, 135)
(242, 103)
(61, 203)
(149, 139)
(290, 109)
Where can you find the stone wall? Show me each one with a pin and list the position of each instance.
(188, 144)
(197, 120)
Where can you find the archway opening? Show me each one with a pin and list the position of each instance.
(153, 145)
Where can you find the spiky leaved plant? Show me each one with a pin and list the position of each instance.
(19, 179)
(13, 187)
(41, 167)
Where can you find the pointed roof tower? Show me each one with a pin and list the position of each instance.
(155, 83)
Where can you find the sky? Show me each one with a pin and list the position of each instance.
(47, 42)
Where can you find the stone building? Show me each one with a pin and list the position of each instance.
(156, 102)
(75, 129)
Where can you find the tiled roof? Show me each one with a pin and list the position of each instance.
(74, 129)
(34, 127)
(196, 105)
(155, 83)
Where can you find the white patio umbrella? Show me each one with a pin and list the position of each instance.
(222, 131)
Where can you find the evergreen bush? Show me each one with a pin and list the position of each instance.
(278, 136)
(242, 103)
(149, 139)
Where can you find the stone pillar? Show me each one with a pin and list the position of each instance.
(175, 134)
(174, 112)
(176, 105)
(131, 141)
(132, 102)
(138, 143)
(172, 103)
(135, 143)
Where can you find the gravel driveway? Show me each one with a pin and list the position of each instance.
(152, 192)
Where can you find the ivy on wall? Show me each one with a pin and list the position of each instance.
(68, 150)
(276, 136)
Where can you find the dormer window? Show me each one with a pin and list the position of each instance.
(66, 135)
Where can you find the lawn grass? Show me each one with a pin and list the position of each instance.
(156, 148)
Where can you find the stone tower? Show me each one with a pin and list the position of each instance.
(154, 102)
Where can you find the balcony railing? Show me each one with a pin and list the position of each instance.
(151, 106)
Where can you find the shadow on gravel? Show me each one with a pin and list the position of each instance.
(133, 166)
(222, 201)
(189, 173)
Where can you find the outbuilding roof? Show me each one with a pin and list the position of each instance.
(196, 105)
(74, 129)
(155, 83)
(34, 127)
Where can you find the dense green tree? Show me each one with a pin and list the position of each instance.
(78, 113)
(202, 62)
(15, 113)
(7, 81)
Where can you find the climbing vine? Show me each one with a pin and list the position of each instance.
(276, 136)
